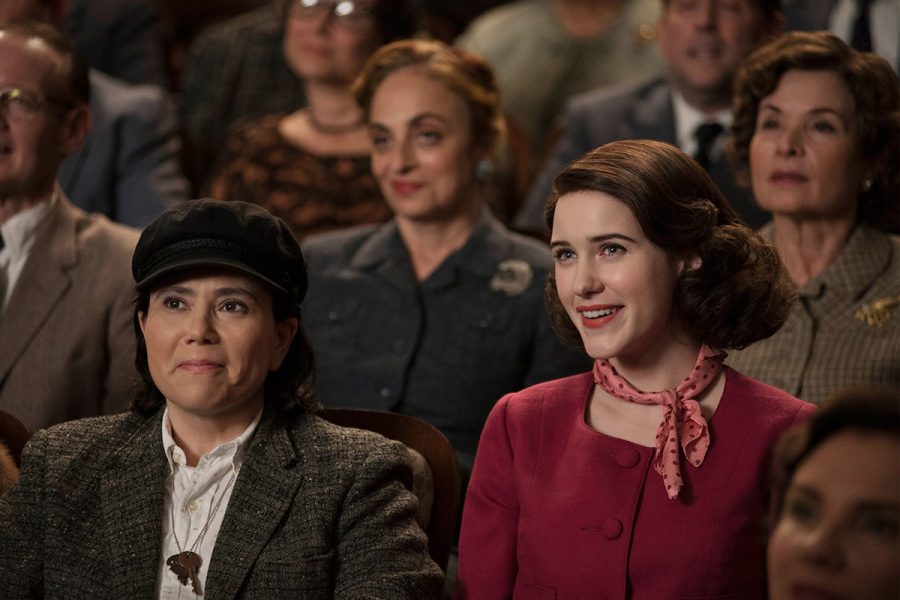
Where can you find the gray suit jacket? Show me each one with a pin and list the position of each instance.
(128, 167)
(808, 15)
(318, 511)
(444, 349)
(634, 111)
(66, 339)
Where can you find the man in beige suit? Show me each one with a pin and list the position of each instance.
(66, 341)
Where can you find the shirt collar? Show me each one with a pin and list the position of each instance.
(386, 245)
(688, 118)
(19, 231)
(235, 449)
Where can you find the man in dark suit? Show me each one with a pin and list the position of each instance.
(703, 42)
(66, 340)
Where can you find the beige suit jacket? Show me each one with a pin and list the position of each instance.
(66, 339)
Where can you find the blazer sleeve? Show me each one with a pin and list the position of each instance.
(22, 522)
(487, 542)
(381, 551)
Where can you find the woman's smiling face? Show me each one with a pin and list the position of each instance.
(615, 284)
(422, 149)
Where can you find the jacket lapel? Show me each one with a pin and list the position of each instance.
(132, 496)
(263, 494)
(654, 115)
(41, 285)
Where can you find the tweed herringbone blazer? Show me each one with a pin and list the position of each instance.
(317, 511)
(66, 338)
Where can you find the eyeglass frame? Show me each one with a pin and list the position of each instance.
(298, 9)
(33, 103)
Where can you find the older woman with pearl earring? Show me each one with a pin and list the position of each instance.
(817, 125)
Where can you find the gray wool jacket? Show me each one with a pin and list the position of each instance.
(317, 511)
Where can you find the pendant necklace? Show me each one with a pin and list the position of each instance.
(185, 563)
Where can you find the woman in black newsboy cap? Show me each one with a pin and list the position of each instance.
(221, 482)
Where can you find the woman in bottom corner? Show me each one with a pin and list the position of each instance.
(836, 527)
(645, 478)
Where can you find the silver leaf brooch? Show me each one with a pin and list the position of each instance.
(513, 277)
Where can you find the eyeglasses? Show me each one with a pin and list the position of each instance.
(19, 105)
(349, 13)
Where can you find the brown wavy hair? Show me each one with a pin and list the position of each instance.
(871, 82)
(467, 75)
(739, 294)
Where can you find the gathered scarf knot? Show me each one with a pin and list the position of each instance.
(683, 424)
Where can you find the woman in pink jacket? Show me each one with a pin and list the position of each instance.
(645, 478)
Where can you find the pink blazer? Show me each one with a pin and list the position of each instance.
(557, 510)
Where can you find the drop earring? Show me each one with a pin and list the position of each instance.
(484, 168)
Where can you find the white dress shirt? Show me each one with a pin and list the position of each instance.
(19, 233)
(884, 26)
(688, 119)
(194, 492)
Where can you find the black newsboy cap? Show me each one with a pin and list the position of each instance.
(235, 235)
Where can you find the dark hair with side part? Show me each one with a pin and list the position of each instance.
(467, 75)
(289, 389)
(867, 411)
(72, 83)
(739, 294)
(872, 84)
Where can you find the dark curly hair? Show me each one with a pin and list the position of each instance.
(465, 73)
(289, 389)
(871, 82)
(867, 411)
(739, 294)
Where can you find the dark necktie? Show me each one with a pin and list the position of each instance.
(861, 36)
(706, 136)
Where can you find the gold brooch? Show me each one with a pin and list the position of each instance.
(877, 312)
(512, 277)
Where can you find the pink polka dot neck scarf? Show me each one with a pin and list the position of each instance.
(683, 423)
